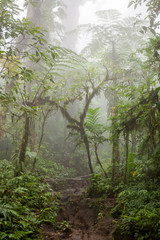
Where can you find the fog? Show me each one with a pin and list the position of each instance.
(105, 42)
(87, 11)
(79, 119)
(84, 12)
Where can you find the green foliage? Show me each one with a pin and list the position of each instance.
(55, 170)
(131, 168)
(99, 186)
(98, 204)
(32, 73)
(25, 204)
(64, 226)
(92, 118)
(56, 78)
(139, 210)
(153, 10)
(95, 129)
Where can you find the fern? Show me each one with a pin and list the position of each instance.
(92, 117)
(7, 211)
(66, 60)
(93, 125)
(17, 235)
(111, 27)
(25, 203)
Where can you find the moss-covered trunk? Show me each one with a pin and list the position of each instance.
(23, 145)
(126, 156)
(86, 143)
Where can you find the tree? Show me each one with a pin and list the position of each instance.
(109, 38)
(153, 10)
(48, 15)
(24, 88)
(83, 88)
(95, 131)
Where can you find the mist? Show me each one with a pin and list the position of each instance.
(79, 119)
(103, 34)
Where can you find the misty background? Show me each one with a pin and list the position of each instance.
(89, 28)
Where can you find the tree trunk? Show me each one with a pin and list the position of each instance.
(98, 160)
(32, 139)
(3, 123)
(23, 145)
(115, 156)
(86, 143)
(126, 157)
(134, 141)
(115, 146)
(41, 137)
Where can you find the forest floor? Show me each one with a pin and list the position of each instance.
(81, 215)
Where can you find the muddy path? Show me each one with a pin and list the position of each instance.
(83, 217)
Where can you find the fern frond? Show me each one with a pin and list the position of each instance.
(94, 127)
(7, 211)
(19, 235)
(92, 119)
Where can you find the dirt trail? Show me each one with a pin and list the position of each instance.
(86, 218)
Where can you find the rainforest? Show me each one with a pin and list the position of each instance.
(79, 122)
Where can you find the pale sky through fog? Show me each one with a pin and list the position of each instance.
(87, 10)
(87, 13)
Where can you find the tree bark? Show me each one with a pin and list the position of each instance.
(23, 147)
(98, 160)
(41, 137)
(126, 157)
(33, 137)
(134, 141)
(86, 143)
(115, 155)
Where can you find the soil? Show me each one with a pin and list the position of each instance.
(83, 217)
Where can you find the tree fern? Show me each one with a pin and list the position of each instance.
(112, 27)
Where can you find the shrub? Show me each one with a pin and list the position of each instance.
(139, 212)
(99, 186)
(25, 204)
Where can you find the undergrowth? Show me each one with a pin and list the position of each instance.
(103, 187)
(138, 204)
(137, 212)
(99, 186)
(26, 204)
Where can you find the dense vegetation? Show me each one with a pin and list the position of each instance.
(26, 204)
(64, 115)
